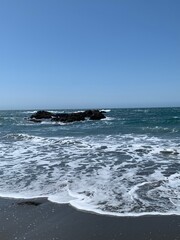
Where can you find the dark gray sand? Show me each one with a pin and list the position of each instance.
(40, 219)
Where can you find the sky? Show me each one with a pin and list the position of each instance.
(89, 53)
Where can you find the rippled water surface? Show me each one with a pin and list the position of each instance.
(126, 164)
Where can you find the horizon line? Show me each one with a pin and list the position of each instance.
(85, 108)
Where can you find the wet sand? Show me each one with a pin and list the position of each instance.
(40, 219)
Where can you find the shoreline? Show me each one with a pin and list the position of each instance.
(40, 219)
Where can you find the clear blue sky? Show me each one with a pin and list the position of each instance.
(89, 53)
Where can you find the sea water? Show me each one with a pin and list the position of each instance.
(125, 165)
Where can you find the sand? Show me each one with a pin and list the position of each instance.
(39, 219)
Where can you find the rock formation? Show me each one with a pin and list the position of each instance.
(67, 117)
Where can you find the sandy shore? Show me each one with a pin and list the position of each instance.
(42, 220)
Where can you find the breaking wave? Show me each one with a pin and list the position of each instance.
(123, 175)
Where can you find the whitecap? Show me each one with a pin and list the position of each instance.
(29, 112)
(55, 111)
(113, 175)
(108, 119)
(105, 110)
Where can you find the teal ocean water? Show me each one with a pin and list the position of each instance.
(126, 165)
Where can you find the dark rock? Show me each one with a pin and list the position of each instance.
(75, 117)
(42, 114)
(97, 115)
(67, 117)
(72, 117)
(88, 113)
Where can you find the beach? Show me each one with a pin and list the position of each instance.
(117, 178)
(89, 120)
(39, 219)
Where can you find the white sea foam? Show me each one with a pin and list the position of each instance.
(123, 175)
(161, 129)
(78, 111)
(34, 111)
(55, 111)
(29, 112)
(47, 122)
(105, 110)
(141, 110)
(108, 119)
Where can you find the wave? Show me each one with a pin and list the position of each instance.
(141, 110)
(55, 111)
(34, 111)
(54, 123)
(105, 110)
(160, 129)
(29, 112)
(108, 119)
(122, 175)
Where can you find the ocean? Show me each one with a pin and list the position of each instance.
(125, 165)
